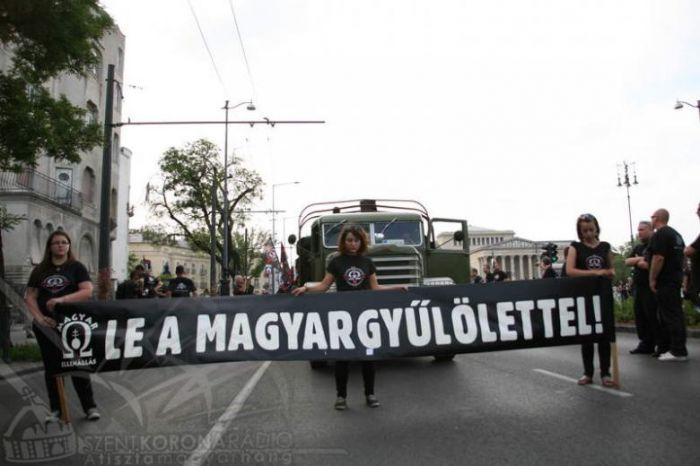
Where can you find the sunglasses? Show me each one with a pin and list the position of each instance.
(586, 217)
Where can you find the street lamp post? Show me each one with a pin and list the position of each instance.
(680, 103)
(225, 289)
(625, 181)
(274, 240)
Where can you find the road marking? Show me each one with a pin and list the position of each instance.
(200, 455)
(609, 391)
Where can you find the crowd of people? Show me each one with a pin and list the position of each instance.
(659, 261)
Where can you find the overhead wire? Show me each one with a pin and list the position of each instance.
(240, 40)
(206, 45)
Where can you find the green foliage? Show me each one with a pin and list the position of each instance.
(156, 234)
(190, 176)
(46, 38)
(134, 260)
(622, 272)
(624, 310)
(28, 352)
(692, 316)
(9, 221)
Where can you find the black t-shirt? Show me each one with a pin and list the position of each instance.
(150, 283)
(588, 258)
(695, 264)
(128, 289)
(499, 275)
(181, 287)
(477, 280)
(488, 277)
(668, 243)
(640, 277)
(549, 273)
(351, 273)
(58, 281)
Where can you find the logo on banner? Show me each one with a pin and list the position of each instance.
(76, 336)
(354, 276)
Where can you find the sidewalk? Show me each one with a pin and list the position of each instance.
(628, 327)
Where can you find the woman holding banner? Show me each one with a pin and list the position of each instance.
(591, 257)
(351, 271)
(59, 278)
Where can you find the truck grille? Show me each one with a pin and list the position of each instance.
(399, 270)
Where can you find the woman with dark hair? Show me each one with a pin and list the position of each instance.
(591, 257)
(59, 278)
(351, 271)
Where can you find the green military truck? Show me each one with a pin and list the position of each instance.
(404, 243)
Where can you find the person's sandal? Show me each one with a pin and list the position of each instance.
(607, 381)
(585, 380)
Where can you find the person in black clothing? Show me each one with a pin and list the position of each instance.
(241, 286)
(181, 286)
(692, 252)
(149, 283)
(498, 274)
(645, 317)
(351, 271)
(546, 268)
(59, 278)
(475, 278)
(131, 288)
(665, 279)
(591, 258)
(488, 275)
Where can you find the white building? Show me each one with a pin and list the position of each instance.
(518, 256)
(61, 196)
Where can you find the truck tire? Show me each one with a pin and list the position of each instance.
(444, 357)
(316, 365)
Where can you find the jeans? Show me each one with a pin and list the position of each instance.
(341, 377)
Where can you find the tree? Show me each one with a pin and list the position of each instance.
(8, 222)
(45, 39)
(622, 271)
(184, 196)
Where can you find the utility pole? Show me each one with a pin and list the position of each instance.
(212, 245)
(104, 281)
(224, 266)
(626, 183)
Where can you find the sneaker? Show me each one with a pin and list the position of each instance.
(372, 401)
(585, 380)
(53, 416)
(670, 357)
(340, 404)
(93, 414)
(641, 351)
(607, 381)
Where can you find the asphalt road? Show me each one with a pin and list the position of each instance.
(511, 407)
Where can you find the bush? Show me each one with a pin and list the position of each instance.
(624, 310)
(28, 352)
(692, 316)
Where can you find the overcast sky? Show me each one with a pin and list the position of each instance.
(511, 114)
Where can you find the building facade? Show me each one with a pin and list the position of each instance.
(517, 256)
(162, 259)
(56, 195)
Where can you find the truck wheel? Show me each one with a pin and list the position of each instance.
(316, 365)
(444, 357)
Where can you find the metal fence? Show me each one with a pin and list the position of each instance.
(31, 181)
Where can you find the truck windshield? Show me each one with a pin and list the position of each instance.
(385, 232)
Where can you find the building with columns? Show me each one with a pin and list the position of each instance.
(515, 255)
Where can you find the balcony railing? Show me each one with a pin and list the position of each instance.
(33, 182)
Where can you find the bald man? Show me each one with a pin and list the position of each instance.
(665, 280)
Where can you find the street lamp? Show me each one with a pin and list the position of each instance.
(225, 291)
(680, 103)
(625, 181)
(274, 241)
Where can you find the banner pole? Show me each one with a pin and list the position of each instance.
(615, 364)
(65, 415)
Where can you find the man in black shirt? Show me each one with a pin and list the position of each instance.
(665, 278)
(488, 276)
(693, 285)
(181, 286)
(645, 317)
(498, 274)
(475, 278)
(546, 268)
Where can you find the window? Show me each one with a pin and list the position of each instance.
(92, 114)
(115, 148)
(88, 185)
(113, 205)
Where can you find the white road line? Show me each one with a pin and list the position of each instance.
(200, 455)
(609, 391)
